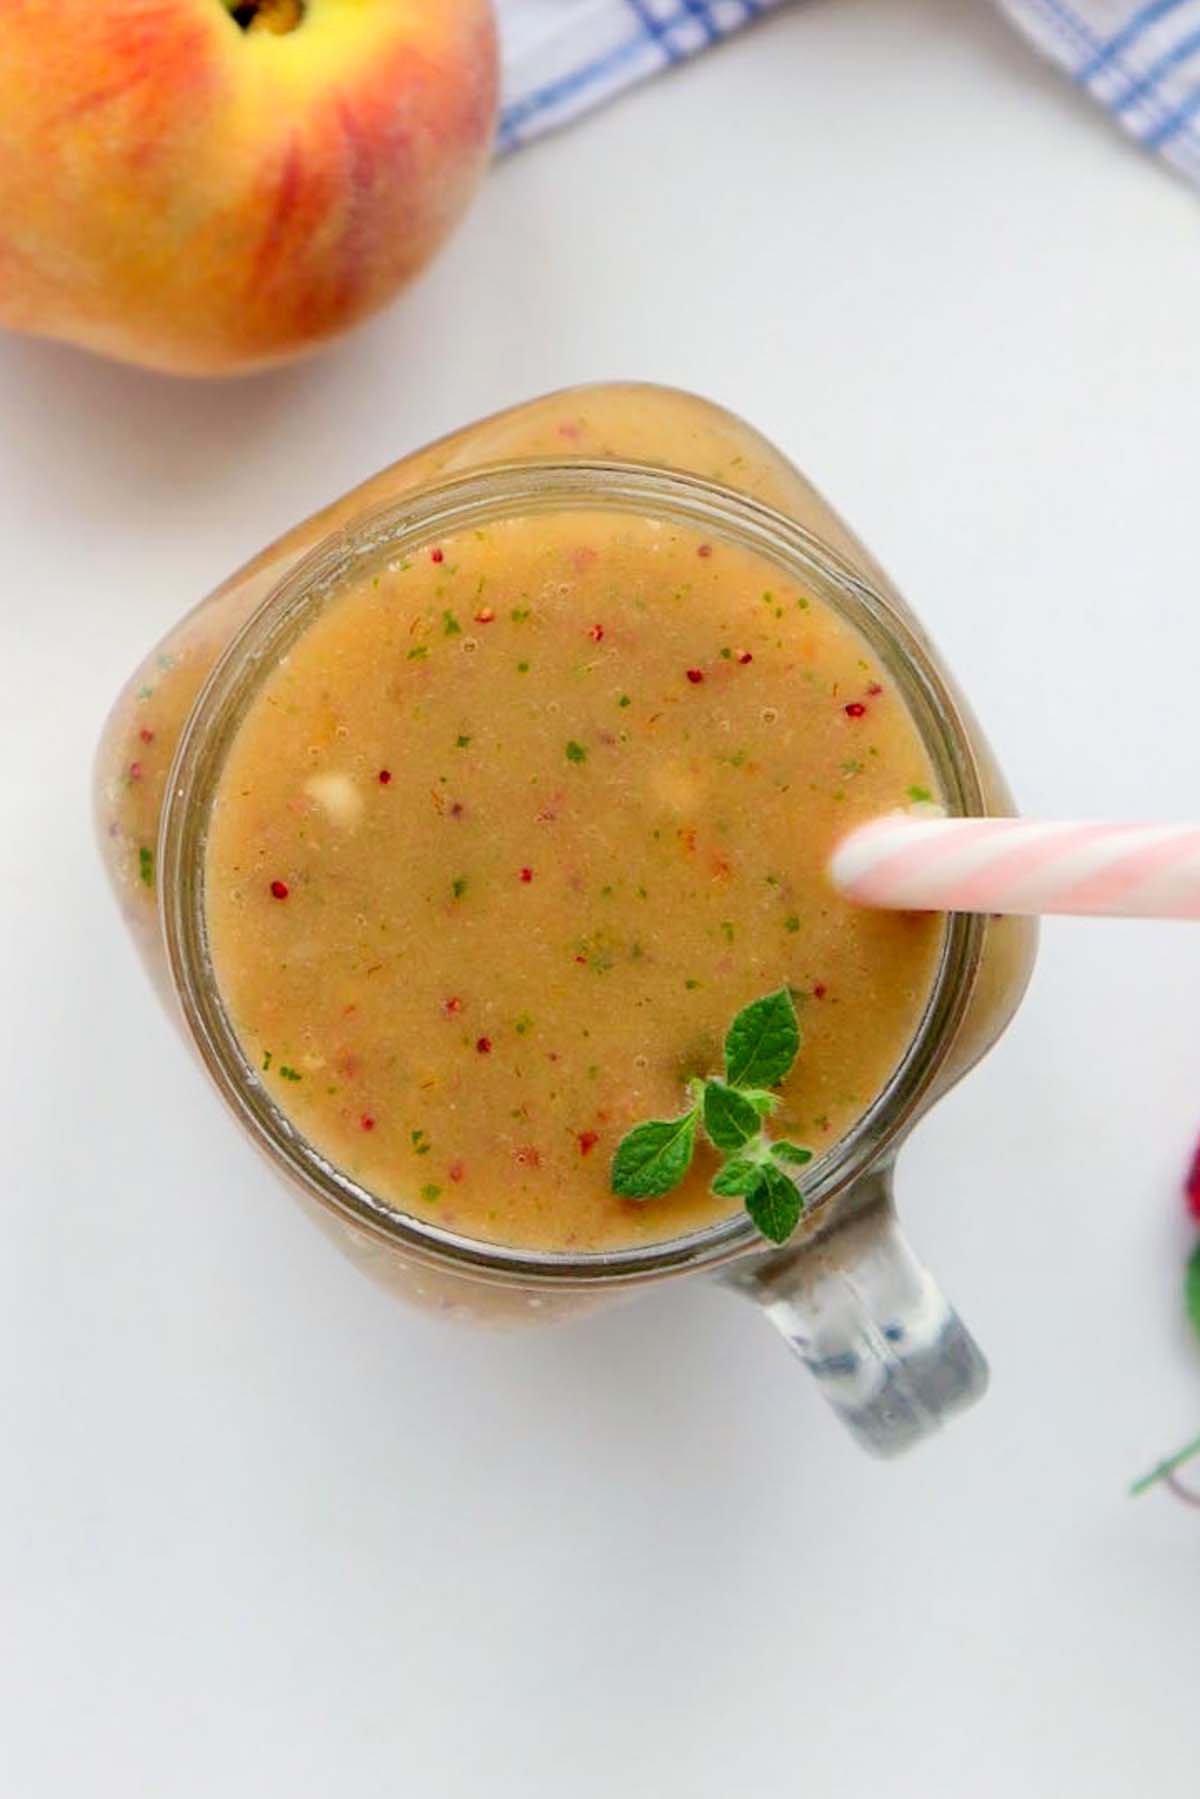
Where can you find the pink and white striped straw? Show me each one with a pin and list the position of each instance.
(915, 863)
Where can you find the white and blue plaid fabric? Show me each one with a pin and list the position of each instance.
(560, 57)
(1142, 62)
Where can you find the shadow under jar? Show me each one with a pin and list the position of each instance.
(460, 823)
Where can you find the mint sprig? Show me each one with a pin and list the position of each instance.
(1166, 1471)
(760, 1047)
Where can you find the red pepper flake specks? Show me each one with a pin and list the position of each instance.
(135, 771)
(874, 690)
(704, 549)
(146, 735)
(587, 1142)
(695, 676)
(457, 809)
(385, 775)
(456, 1171)
(366, 1122)
(819, 990)
(437, 555)
(1192, 1186)
(855, 709)
(527, 874)
(484, 1045)
(485, 615)
(582, 960)
(452, 1007)
(279, 889)
(527, 1156)
(596, 633)
(745, 656)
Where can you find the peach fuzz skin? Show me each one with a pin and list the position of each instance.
(205, 197)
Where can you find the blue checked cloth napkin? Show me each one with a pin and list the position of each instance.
(1141, 62)
(561, 57)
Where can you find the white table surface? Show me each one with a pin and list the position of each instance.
(262, 1531)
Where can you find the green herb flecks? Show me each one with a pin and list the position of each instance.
(289, 1074)
(575, 751)
(760, 1047)
(146, 866)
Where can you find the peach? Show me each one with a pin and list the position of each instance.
(206, 191)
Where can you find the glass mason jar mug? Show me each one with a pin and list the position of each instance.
(846, 1292)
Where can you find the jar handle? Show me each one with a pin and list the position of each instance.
(889, 1353)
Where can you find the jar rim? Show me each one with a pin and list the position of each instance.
(407, 523)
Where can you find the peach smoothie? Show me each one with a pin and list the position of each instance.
(514, 829)
(520, 820)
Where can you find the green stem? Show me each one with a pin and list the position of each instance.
(1165, 1468)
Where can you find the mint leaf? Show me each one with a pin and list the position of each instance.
(739, 1175)
(1192, 1289)
(654, 1157)
(774, 1204)
(795, 1153)
(762, 1042)
(729, 1119)
(762, 1101)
